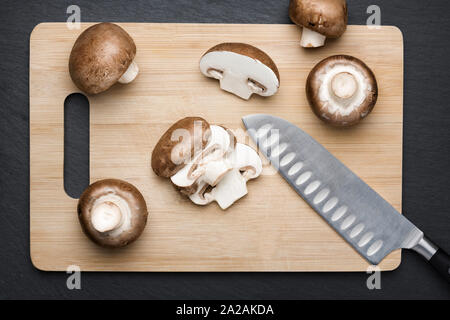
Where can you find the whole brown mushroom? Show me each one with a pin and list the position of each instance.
(112, 213)
(102, 56)
(341, 90)
(320, 19)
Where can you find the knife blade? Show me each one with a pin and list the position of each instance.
(357, 212)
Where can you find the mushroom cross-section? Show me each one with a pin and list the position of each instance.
(341, 90)
(208, 164)
(241, 69)
(320, 19)
(245, 165)
(112, 213)
(102, 56)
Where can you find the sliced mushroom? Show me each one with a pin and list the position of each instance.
(246, 165)
(179, 145)
(342, 90)
(320, 19)
(112, 213)
(241, 69)
(208, 164)
(218, 172)
(101, 56)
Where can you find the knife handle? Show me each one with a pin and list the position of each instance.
(437, 257)
(441, 262)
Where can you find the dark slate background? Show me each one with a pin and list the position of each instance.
(426, 30)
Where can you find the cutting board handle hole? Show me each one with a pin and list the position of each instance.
(76, 144)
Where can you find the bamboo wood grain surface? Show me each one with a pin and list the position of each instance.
(272, 228)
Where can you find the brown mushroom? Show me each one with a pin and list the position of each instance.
(242, 69)
(341, 90)
(179, 144)
(320, 19)
(112, 213)
(101, 56)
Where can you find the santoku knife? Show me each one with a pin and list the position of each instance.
(358, 213)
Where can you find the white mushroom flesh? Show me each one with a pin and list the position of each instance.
(239, 74)
(111, 215)
(245, 164)
(231, 188)
(130, 74)
(312, 39)
(343, 89)
(217, 146)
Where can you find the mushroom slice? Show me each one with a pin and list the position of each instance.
(101, 56)
(179, 145)
(231, 188)
(241, 69)
(208, 161)
(246, 165)
(341, 90)
(112, 213)
(320, 19)
(247, 160)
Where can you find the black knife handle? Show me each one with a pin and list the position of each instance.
(437, 257)
(441, 262)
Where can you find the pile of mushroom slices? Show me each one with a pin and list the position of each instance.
(241, 69)
(205, 162)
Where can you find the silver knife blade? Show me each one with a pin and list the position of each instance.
(356, 211)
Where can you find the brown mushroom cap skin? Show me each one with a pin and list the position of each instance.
(126, 191)
(313, 84)
(327, 17)
(249, 51)
(162, 163)
(100, 56)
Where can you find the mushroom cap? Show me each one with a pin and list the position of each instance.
(100, 56)
(249, 51)
(130, 195)
(179, 144)
(329, 108)
(327, 17)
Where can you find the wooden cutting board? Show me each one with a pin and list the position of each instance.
(272, 228)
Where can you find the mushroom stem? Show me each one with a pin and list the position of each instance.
(344, 85)
(130, 74)
(312, 39)
(108, 213)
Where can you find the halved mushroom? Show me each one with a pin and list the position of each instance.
(179, 145)
(341, 90)
(112, 213)
(241, 69)
(320, 19)
(245, 164)
(101, 56)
